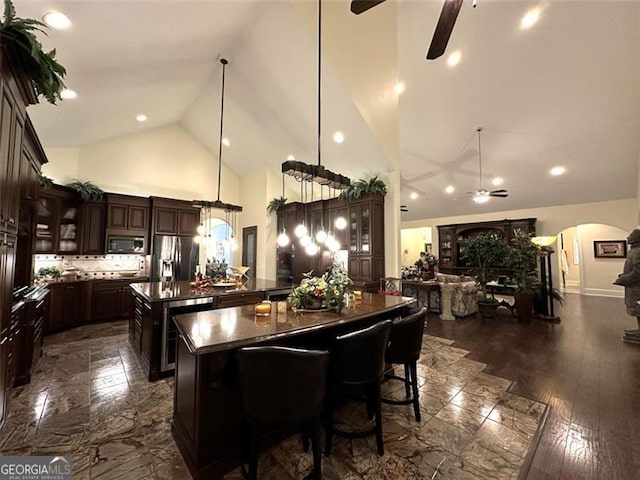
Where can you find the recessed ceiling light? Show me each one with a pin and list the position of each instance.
(226, 142)
(338, 137)
(141, 118)
(530, 18)
(291, 157)
(497, 181)
(399, 88)
(68, 94)
(57, 20)
(450, 189)
(454, 58)
(413, 195)
(555, 171)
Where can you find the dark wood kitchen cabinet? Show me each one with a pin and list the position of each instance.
(68, 305)
(93, 227)
(112, 299)
(174, 217)
(363, 237)
(16, 93)
(366, 240)
(29, 344)
(57, 218)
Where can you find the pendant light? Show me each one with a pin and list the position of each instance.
(283, 238)
(207, 205)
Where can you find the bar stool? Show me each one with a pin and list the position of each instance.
(282, 388)
(357, 361)
(405, 344)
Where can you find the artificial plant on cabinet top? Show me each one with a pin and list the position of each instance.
(40, 67)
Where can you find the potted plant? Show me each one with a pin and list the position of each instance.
(86, 190)
(485, 254)
(360, 187)
(523, 259)
(40, 67)
(276, 204)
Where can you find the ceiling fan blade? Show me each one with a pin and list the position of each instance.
(501, 195)
(403, 208)
(360, 6)
(502, 190)
(443, 30)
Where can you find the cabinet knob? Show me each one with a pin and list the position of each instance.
(12, 221)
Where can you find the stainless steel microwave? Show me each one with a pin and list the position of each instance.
(125, 244)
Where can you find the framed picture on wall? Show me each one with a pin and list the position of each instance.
(610, 248)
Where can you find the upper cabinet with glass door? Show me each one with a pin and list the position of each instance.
(57, 221)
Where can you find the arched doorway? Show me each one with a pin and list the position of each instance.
(579, 270)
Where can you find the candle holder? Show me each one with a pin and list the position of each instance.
(263, 309)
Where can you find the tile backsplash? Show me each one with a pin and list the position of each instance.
(95, 266)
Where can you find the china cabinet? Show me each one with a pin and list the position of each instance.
(450, 237)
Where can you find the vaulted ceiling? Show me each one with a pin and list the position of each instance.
(563, 92)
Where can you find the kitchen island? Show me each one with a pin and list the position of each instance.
(152, 334)
(206, 411)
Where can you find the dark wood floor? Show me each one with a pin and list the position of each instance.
(582, 369)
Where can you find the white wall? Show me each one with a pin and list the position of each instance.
(412, 243)
(598, 274)
(63, 164)
(257, 191)
(165, 162)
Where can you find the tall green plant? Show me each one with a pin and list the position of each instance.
(523, 258)
(485, 253)
(40, 67)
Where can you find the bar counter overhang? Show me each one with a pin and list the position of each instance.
(206, 412)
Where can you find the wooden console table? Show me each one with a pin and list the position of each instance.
(430, 289)
(494, 288)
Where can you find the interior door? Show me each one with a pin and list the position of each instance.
(249, 245)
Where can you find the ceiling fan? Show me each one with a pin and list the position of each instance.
(444, 27)
(482, 195)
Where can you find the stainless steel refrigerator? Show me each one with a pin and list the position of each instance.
(174, 258)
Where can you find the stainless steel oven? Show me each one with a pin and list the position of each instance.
(169, 331)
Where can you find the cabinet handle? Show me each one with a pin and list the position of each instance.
(12, 221)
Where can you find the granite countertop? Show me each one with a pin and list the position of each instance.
(182, 290)
(226, 328)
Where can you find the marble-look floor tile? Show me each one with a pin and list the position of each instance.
(90, 398)
(478, 405)
(461, 418)
(446, 436)
(124, 459)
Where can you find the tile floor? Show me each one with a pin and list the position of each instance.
(89, 398)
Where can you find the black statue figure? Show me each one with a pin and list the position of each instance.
(630, 280)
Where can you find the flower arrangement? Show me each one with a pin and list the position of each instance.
(327, 291)
(431, 259)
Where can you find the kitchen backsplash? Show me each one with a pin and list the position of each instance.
(95, 266)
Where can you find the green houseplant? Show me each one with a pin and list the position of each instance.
(276, 204)
(522, 259)
(485, 254)
(360, 187)
(40, 67)
(86, 190)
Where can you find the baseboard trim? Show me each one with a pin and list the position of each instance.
(601, 292)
